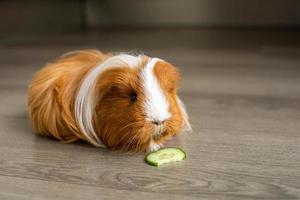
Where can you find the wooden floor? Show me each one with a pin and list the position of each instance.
(242, 91)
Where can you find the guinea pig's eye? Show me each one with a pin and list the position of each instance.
(133, 97)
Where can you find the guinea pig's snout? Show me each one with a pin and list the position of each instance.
(158, 122)
(158, 128)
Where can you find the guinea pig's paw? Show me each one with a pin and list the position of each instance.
(153, 146)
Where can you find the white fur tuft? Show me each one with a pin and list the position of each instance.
(84, 103)
(156, 104)
(187, 125)
(153, 146)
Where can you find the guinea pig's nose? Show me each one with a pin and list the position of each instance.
(157, 122)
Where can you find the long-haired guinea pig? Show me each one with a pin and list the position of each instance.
(121, 102)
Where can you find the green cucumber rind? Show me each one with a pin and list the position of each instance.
(149, 162)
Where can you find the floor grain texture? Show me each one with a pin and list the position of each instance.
(241, 88)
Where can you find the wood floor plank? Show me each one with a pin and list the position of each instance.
(28, 189)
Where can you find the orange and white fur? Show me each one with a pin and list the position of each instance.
(121, 102)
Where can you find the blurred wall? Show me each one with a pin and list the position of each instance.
(19, 17)
(191, 13)
(33, 16)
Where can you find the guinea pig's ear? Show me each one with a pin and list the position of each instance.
(115, 79)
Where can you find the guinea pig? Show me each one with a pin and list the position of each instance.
(120, 102)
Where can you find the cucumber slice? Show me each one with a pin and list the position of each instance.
(165, 155)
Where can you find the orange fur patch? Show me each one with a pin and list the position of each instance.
(52, 95)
